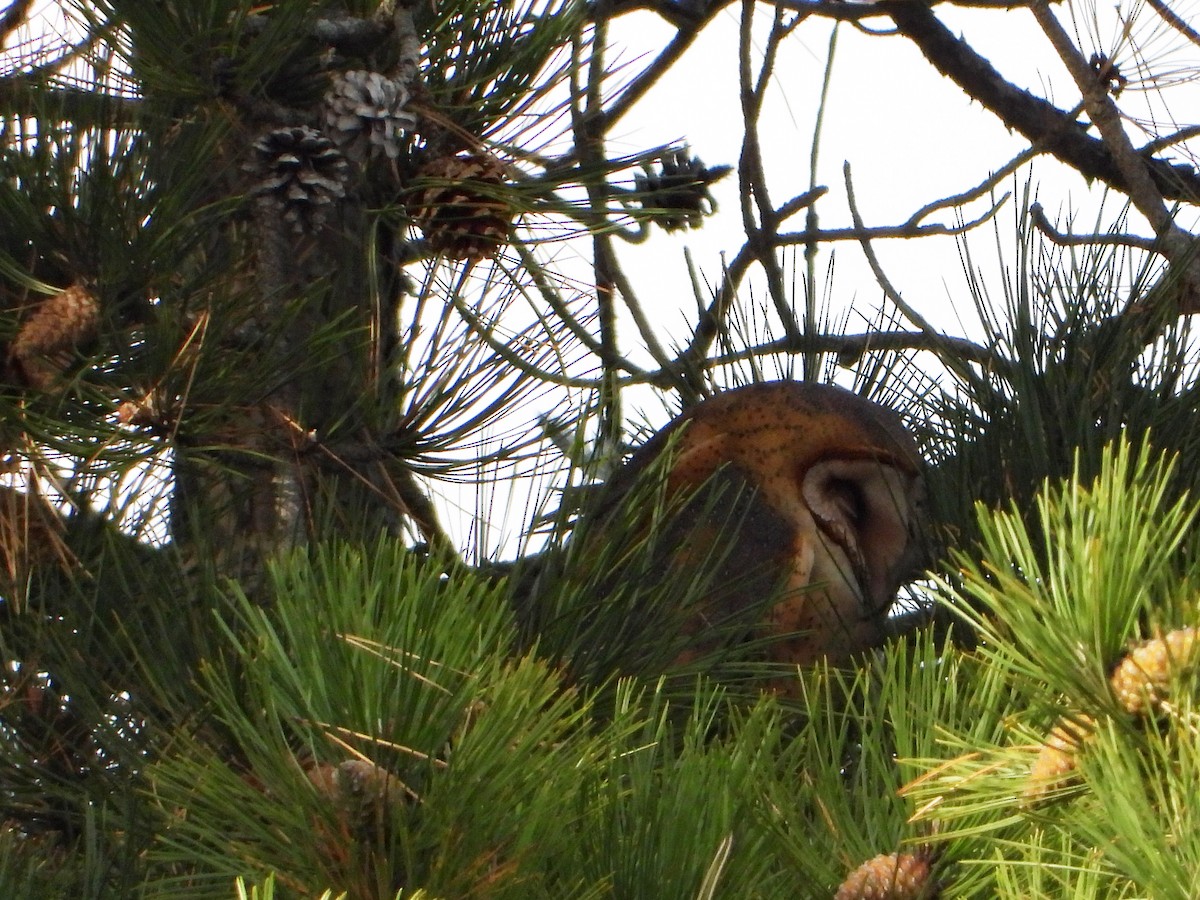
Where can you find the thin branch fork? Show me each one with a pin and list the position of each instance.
(754, 193)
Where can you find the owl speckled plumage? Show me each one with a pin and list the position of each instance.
(814, 495)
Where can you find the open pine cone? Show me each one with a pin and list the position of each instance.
(302, 172)
(461, 212)
(367, 113)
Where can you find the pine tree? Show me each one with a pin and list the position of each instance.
(278, 279)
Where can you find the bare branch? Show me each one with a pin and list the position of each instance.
(892, 294)
(1038, 216)
(753, 188)
(945, 347)
(799, 202)
(849, 348)
(625, 288)
(712, 319)
(976, 192)
(886, 232)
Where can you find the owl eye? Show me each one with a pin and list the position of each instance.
(863, 506)
(837, 499)
(849, 500)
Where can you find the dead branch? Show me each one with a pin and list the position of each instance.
(984, 187)
(849, 348)
(1038, 216)
(946, 348)
(884, 232)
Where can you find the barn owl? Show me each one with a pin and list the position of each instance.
(813, 494)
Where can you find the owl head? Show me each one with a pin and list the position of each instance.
(804, 498)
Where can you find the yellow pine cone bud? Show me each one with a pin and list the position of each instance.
(1056, 760)
(890, 876)
(1142, 678)
(59, 324)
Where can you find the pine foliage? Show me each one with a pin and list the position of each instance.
(493, 775)
(282, 283)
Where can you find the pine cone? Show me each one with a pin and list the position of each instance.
(1142, 678)
(302, 171)
(677, 195)
(360, 790)
(463, 216)
(891, 876)
(1057, 759)
(43, 346)
(366, 113)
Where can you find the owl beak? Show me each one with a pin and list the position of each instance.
(874, 602)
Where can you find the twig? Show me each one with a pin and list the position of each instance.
(557, 305)
(850, 347)
(752, 178)
(1169, 140)
(876, 232)
(712, 320)
(1038, 215)
(811, 222)
(800, 202)
(936, 338)
(978, 191)
(884, 282)
(623, 286)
